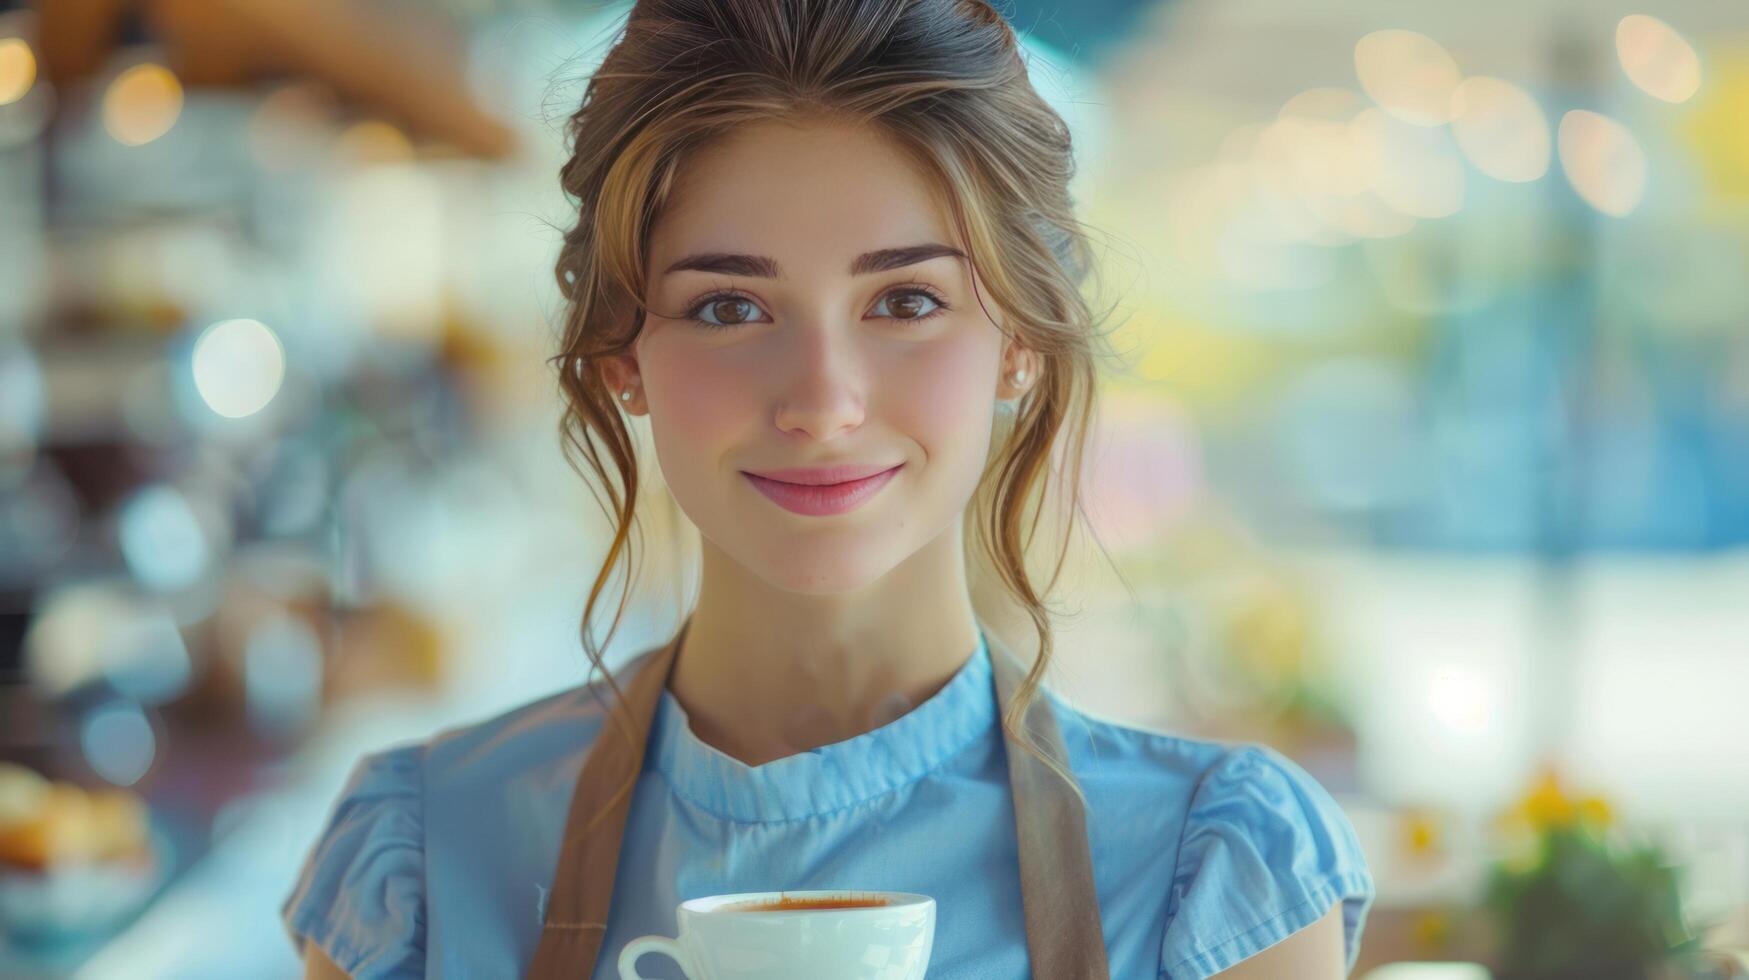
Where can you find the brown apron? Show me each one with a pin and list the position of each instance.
(1064, 936)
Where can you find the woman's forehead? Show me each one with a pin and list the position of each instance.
(807, 196)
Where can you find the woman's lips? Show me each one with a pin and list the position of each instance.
(822, 499)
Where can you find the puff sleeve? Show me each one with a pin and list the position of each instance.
(1265, 852)
(360, 896)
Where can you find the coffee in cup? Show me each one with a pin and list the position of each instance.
(803, 935)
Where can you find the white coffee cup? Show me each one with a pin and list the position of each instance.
(723, 938)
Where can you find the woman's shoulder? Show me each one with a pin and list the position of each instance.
(1265, 851)
(1126, 753)
(1140, 757)
(1211, 787)
(361, 894)
(1256, 847)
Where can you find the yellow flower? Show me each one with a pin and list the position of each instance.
(1432, 932)
(1595, 810)
(1420, 833)
(1546, 805)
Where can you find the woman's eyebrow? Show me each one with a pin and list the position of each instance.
(763, 267)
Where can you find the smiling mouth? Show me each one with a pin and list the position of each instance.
(818, 500)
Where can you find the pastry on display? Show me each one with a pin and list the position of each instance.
(73, 861)
(46, 823)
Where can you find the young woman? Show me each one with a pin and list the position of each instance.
(826, 248)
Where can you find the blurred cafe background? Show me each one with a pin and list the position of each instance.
(1427, 461)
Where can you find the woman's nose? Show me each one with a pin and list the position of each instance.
(821, 390)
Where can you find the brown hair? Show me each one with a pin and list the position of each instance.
(945, 81)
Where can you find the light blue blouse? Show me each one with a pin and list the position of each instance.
(436, 858)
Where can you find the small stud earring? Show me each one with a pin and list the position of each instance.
(626, 395)
(1020, 376)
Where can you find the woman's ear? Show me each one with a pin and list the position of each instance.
(624, 382)
(1020, 372)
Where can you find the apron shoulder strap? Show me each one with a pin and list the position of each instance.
(1065, 935)
(582, 894)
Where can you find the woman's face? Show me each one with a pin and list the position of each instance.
(814, 345)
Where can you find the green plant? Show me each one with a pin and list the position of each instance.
(1576, 903)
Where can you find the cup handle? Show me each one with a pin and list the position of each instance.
(650, 944)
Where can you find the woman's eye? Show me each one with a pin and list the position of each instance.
(734, 311)
(912, 304)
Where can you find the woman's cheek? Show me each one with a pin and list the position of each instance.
(697, 417)
(947, 391)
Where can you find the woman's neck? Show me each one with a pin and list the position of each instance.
(764, 674)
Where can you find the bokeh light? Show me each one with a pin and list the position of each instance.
(1603, 161)
(238, 367)
(1414, 169)
(66, 644)
(142, 103)
(1656, 58)
(386, 251)
(164, 544)
(17, 69)
(291, 126)
(1322, 158)
(118, 742)
(145, 657)
(1501, 129)
(1458, 697)
(1408, 74)
(1315, 178)
(282, 674)
(1366, 215)
(372, 141)
(1264, 157)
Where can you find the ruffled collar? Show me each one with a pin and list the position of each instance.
(832, 776)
